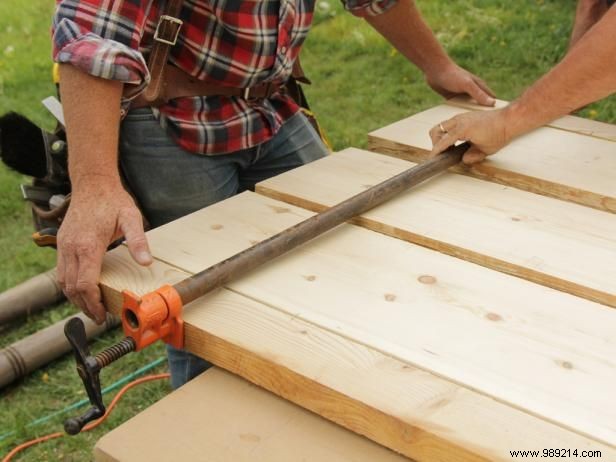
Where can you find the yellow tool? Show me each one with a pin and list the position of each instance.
(55, 73)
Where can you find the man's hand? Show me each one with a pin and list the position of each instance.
(99, 214)
(454, 80)
(586, 74)
(486, 130)
(101, 211)
(404, 27)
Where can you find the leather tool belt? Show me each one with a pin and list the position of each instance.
(169, 82)
(177, 84)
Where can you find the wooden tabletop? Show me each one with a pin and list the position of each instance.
(461, 321)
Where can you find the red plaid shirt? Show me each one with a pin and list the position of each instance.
(236, 43)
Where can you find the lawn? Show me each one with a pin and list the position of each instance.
(360, 84)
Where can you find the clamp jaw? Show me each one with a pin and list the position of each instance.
(146, 319)
(154, 316)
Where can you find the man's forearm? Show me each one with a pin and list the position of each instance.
(585, 75)
(92, 112)
(405, 29)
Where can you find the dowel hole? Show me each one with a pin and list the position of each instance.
(132, 319)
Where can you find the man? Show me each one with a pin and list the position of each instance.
(587, 14)
(586, 74)
(191, 152)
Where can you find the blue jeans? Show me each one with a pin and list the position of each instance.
(170, 182)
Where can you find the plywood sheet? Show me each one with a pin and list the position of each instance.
(548, 161)
(218, 417)
(539, 350)
(551, 242)
(417, 413)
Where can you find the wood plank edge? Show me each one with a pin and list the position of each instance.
(101, 455)
(486, 172)
(425, 443)
(389, 431)
(503, 266)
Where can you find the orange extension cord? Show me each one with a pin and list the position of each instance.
(90, 426)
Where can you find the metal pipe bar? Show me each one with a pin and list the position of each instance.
(227, 270)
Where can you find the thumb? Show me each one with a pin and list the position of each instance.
(132, 229)
(479, 94)
(473, 156)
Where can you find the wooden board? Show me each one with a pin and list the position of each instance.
(325, 317)
(534, 237)
(218, 417)
(548, 161)
(400, 406)
(580, 125)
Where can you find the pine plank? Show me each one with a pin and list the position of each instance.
(220, 417)
(535, 339)
(580, 125)
(534, 237)
(414, 412)
(547, 161)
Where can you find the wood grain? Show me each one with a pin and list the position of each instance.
(414, 412)
(220, 417)
(534, 338)
(547, 161)
(533, 237)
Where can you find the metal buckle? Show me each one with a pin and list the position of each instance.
(171, 19)
(268, 92)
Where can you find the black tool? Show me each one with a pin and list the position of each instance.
(88, 368)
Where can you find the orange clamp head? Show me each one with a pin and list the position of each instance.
(153, 316)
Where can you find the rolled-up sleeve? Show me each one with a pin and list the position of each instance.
(363, 8)
(102, 41)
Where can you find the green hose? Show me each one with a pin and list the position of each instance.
(82, 402)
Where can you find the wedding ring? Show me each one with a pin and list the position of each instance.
(442, 128)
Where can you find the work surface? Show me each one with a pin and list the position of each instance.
(461, 321)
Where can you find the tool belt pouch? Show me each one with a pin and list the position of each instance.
(41, 155)
(49, 196)
(296, 92)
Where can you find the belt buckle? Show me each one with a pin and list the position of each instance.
(171, 19)
(269, 90)
(246, 94)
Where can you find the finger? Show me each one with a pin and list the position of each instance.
(484, 86)
(60, 268)
(449, 124)
(479, 95)
(71, 270)
(436, 134)
(448, 140)
(63, 271)
(131, 226)
(473, 156)
(87, 283)
(438, 131)
(446, 93)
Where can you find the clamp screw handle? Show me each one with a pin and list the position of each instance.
(88, 368)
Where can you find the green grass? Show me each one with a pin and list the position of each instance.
(361, 84)
(25, 79)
